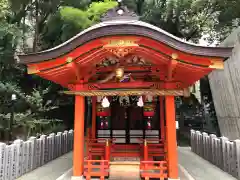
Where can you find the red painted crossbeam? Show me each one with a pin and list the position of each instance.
(135, 84)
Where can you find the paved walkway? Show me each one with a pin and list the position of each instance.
(191, 167)
(51, 170)
(199, 168)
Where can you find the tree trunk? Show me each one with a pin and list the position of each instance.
(36, 35)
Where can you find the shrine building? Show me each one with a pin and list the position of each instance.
(132, 71)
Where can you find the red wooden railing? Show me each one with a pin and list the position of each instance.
(96, 168)
(150, 150)
(153, 169)
(125, 150)
(95, 148)
(105, 149)
(99, 147)
(156, 150)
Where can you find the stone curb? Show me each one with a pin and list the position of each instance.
(185, 172)
(66, 176)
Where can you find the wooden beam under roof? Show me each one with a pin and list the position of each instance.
(130, 92)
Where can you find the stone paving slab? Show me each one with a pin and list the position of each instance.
(124, 173)
(183, 175)
(199, 168)
(191, 165)
(132, 173)
(51, 170)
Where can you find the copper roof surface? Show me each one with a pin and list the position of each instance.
(125, 27)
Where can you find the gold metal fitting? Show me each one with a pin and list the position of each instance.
(69, 59)
(32, 70)
(107, 142)
(174, 56)
(217, 64)
(145, 142)
(119, 72)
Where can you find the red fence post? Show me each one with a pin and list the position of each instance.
(107, 150)
(145, 151)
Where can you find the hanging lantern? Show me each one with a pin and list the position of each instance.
(149, 107)
(101, 111)
(103, 122)
(148, 110)
(106, 123)
(149, 98)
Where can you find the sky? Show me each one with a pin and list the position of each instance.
(203, 42)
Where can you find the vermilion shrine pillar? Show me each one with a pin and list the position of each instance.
(94, 122)
(162, 123)
(171, 138)
(78, 150)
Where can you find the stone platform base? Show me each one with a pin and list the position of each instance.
(129, 172)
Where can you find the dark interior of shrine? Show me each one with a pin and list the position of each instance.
(127, 122)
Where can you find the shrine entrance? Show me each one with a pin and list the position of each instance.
(124, 58)
(127, 123)
(125, 115)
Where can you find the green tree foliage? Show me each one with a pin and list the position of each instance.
(190, 19)
(35, 25)
(70, 20)
(228, 18)
(8, 34)
(27, 26)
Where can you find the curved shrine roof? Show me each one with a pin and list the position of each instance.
(125, 28)
(151, 57)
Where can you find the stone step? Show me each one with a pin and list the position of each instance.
(125, 163)
(121, 172)
(125, 159)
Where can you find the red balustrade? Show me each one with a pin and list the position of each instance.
(105, 149)
(95, 148)
(151, 150)
(156, 150)
(153, 169)
(96, 168)
(125, 150)
(99, 147)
